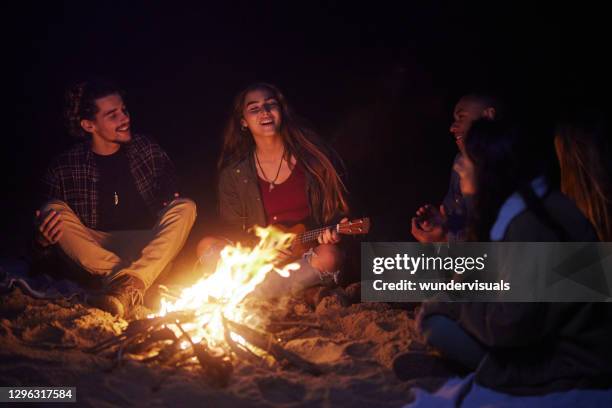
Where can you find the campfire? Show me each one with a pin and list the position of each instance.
(209, 324)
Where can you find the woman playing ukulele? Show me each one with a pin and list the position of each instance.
(274, 170)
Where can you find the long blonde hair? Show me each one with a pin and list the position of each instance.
(301, 142)
(583, 155)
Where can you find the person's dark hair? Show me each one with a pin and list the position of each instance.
(301, 141)
(81, 102)
(489, 100)
(506, 158)
(583, 149)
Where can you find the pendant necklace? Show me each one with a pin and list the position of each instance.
(277, 171)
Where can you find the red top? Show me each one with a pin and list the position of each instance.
(287, 202)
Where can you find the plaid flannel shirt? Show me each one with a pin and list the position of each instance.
(72, 178)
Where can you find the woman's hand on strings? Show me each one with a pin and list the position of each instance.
(330, 237)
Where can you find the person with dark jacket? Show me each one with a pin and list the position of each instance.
(520, 348)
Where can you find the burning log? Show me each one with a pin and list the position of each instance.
(141, 327)
(179, 357)
(238, 349)
(193, 326)
(165, 355)
(218, 367)
(143, 335)
(163, 334)
(269, 344)
(280, 325)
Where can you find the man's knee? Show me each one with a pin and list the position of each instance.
(208, 244)
(436, 328)
(327, 258)
(186, 206)
(54, 205)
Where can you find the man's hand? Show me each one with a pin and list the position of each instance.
(467, 180)
(330, 237)
(429, 225)
(50, 228)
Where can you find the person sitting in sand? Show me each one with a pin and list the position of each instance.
(275, 170)
(533, 348)
(431, 224)
(111, 205)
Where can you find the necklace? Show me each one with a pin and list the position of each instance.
(277, 171)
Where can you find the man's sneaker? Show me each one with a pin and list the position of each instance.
(108, 303)
(122, 296)
(130, 292)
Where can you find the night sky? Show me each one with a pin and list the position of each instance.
(378, 81)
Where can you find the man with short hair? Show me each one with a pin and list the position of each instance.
(112, 207)
(448, 223)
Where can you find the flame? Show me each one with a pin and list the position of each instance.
(239, 271)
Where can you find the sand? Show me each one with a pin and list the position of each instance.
(42, 343)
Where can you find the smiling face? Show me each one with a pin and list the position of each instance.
(467, 110)
(111, 123)
(261, 113)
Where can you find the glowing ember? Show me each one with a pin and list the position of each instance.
(238, 272)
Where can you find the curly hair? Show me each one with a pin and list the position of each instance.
(81, 102)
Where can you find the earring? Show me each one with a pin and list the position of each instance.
(243, 128)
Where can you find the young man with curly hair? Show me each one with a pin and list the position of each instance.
(112, 207)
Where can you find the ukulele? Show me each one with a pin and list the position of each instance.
(307, 239)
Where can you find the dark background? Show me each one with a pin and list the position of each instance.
(378, 80)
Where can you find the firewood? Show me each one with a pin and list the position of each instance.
(269, 344)
(217, 367)
(139, 327)
(178, 357)
(238, 349)
(290, 323)
(110, 342)
(163, 334)
(142, 325)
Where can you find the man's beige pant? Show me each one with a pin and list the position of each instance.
(142, 253)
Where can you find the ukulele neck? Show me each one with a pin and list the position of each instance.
(312, 235)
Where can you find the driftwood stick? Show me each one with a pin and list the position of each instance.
(294, 334)
(179, 357)
(106, 344)
(238, 349)
(162, 334)
(217, 367)
(120, 340)
(142, 326)
(267, 343)
(165, 354)
(138, 326)
(289, 323)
